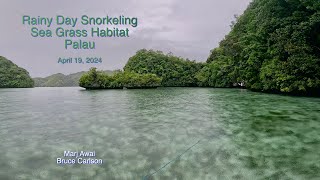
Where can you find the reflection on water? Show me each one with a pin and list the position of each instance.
(148, 134)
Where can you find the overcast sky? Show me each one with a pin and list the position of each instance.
(186, 28)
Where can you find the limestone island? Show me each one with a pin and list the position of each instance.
(12, 76)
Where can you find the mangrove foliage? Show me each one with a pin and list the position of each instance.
(100, 80)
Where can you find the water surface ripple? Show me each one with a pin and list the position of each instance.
(240, 134)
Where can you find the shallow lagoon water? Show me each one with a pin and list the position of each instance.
(164, 133)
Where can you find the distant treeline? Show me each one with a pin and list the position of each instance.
(61, 80)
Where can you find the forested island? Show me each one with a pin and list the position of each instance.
(146, 69)
(273, 47)
(12, 76)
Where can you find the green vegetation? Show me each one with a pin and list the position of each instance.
(173, 70)
(146, 69)
(12, 76)
(61, 80)
(273, 47)
(100, 80)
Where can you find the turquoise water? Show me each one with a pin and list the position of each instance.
(166, 133)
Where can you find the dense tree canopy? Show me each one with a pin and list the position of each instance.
(12, 76)
(100, 80)
(173, 70)
(274, 46)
